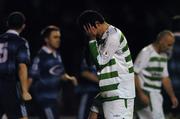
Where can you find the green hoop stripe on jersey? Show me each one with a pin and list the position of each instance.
(125, 103)
(125, 48)
(155, 69)
(94, 52)
(151, 86)
(122, 38)
(108, 75)
(110, 63)
(114, 98)
(110, 98)
(109, 87)
(153, 78)
(128, 58)
(131, 69)
(154, 59)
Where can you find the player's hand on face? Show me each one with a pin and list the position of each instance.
(26, 96)
(91, 31)
(175, 102)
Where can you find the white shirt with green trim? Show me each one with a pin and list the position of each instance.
(113, 59)
(151, 67)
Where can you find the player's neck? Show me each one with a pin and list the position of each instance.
(18, 30)
(105, 27)
(156, 47)
(50, 48)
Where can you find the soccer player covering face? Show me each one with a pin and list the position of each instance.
(151, 74)
(113, 61)
(14, 61)
(47, 73)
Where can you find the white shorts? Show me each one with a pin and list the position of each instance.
(119, 109)
(155, 110)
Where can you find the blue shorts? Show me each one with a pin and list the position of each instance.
(11, 103)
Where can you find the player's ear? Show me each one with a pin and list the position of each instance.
(97, 24)
(23, 26)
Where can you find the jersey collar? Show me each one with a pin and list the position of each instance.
(49, 51)
(12, 32)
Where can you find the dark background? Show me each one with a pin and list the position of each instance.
(140, 21)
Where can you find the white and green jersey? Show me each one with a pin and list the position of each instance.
(151, 67)
(113, 59)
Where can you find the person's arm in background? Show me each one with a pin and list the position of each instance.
(140, 63)
(23, 59)
(167, 85)
(93, 115)
(90, 76)
(140, 93)
(66, 77)
(88, 72)
(34, 72)
(23, 76)
(169, 89)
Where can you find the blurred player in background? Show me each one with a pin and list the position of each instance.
(151, 73)
(47, 73)
(88, 86)
(110, 52)
(14, 61)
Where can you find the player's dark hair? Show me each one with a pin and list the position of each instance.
(46, 32)
(16, 20)
(90, 17)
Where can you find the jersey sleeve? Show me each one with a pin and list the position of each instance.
(34, 71)
(23, 54)
(102, 57)
(141, 61)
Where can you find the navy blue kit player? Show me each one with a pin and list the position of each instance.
(47, 73)
(14, 61)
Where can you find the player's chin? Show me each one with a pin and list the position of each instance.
(57, 46)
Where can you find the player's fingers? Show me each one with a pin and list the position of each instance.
(88, 29)
(175, 104)
(92, 28)
(85, 28)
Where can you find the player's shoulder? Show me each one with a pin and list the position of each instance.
(112, 29)
(112, 33)
(147, 48)
(42, 53)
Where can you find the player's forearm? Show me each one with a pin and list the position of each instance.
(100, 60)
(90, 76)
(168, 87)
(23, 76)
(93, 50)
(30, 80)
(138, 86)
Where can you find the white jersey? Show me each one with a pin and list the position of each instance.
(113, 59)
(151, 67)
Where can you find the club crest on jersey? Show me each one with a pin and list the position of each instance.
(56, 70)
(106, 54)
